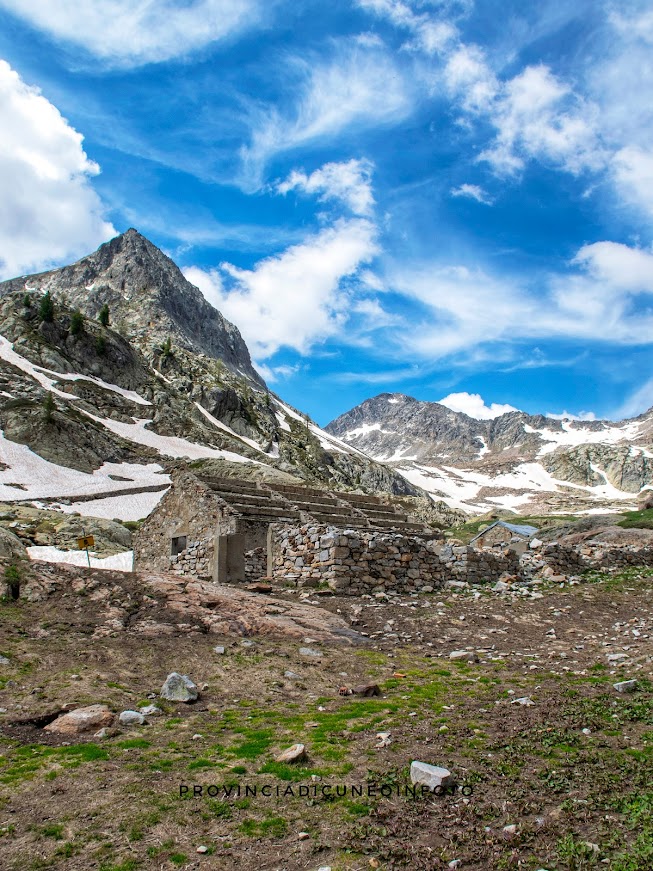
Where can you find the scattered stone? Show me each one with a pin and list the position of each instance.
(87, 719)
(248, 643)
(259, 588)
(368, 689)
(616, 657)
(524, 700)
(308, 651)
(179, 688)
(291, 675)
(131, 718)
(296, 753)
(455, 863)
(303, 836)
(219, 649)
(4, 660)
(625, 686)
(383, 739)
(430, 775)
(102, 733)
(587, 731)
(202, 849)
(510, 830)
(150, 710)
(469, 655)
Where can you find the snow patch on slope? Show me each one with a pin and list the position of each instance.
(120, 562)
(47, 377)
(39, 478)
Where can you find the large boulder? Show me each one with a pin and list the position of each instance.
(179, 688)
(81, 720)
(11, 547)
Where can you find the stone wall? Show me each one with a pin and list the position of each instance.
(575, 559)
(188, 509)
(256, 563)
(475, 565)
(353, 561)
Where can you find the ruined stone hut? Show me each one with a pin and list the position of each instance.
(502, 533)
(230, 530)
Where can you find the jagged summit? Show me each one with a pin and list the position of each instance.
(509, 461)
(149, 299)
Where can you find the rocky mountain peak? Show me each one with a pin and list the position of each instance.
(149, 299)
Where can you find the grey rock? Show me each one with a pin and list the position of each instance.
(131, 718)
(150, 710)
(432, 776)
(179, 688)
(625, 686)
(308, 651)
(296, 753)
(219, 649)
(4, 660)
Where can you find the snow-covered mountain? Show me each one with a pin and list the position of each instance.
(524, 463)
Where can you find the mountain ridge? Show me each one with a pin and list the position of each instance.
(463, 459)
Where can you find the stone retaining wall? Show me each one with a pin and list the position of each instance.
(353, 561)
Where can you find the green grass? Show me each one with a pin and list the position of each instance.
(637, 519)
(270, 827)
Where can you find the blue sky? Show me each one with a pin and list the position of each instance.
(446, 199)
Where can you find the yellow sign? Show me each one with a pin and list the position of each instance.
(86, 541)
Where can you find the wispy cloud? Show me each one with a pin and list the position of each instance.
(357, 86)
(134, 32)
(472, 192)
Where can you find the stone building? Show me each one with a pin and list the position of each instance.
(229, 530)
(504, 534)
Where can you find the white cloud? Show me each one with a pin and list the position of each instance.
(537, 116)
(468, 77)
(49, 213)
(358, 86)
(349, 182)
(273, 374)
(602, 297)
(633, 175)
(474, 405)
(617, 268)
(294, 299)
(131, 32)
(429, 34)
(473, 192)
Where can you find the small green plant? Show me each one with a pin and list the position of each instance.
(46, 308)
(100, 345)
(76, 323)
(27, 301)
(104, 315)
(49, 407)
(166, 349)
(12, 577)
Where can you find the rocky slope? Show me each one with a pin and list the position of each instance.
(94, 416)
(526, 463)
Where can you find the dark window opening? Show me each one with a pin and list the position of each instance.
(178, 544)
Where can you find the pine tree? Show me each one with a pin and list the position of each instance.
(104, 315)
(100, 345)
(76, 323)
(46, 309)
(27, 301)
(49, 407)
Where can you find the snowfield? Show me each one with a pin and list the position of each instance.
(37, 478)
(120, 562)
